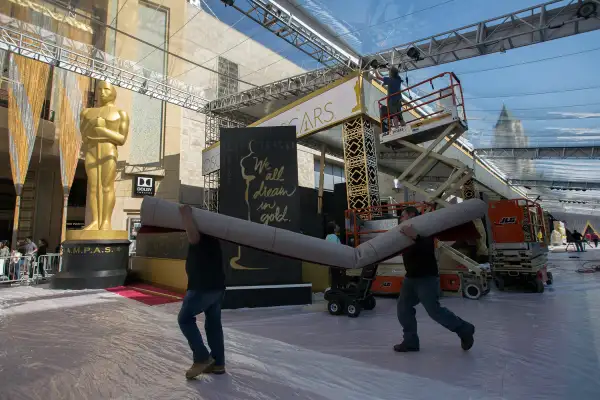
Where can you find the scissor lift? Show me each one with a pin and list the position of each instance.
(434, 120)
(459, 275)
(519, 255)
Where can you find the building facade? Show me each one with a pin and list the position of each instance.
(165, 141)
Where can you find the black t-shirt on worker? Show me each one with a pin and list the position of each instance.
(419, 259)
(204, 265)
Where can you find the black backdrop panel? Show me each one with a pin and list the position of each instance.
(259, 182)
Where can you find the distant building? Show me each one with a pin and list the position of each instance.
(509, 133)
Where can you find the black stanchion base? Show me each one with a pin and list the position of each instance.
(92, 264)
(267, 296)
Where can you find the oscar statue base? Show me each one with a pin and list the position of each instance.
(93, 260)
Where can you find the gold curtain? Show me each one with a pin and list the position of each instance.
(26, 93)
(50, 17)
(72, 90)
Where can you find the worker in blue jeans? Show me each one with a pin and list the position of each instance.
(422, 285)
(205, 292)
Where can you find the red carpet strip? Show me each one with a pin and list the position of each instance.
(147, 294)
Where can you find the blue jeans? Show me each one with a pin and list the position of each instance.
(209, 303)
(425, 290)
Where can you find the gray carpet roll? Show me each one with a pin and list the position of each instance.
(165, 214)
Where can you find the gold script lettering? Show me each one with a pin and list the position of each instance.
(264, 191)
(267, 193)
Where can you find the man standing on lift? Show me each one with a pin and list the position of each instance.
(422, 285)
(393, 83)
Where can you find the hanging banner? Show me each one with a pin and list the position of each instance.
(71, 89)
(26, 92)
(259, 182)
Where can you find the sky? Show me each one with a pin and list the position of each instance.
(565, 117)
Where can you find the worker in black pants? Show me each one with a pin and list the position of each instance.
(422, 285)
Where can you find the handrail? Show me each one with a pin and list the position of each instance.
(453, 90)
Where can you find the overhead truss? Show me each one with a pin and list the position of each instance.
(295, 86)
(535, 153)
(290, 28)
(551, 20)
(34, 42)
(558, 185)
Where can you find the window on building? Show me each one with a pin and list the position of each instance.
(227, 82)
(333, 174)
(147, 114)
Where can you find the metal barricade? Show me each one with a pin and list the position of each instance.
(47, 265)
(28, 269)
(16, 269)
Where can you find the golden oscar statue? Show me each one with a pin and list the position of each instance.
(102, 130)
(97, 257)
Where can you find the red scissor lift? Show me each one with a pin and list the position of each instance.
(520, 248)
(459, 275)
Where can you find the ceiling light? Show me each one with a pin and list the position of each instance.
(586, 10)
(414, 53)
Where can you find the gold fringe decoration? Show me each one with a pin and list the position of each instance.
(26, 94)
(72, 89)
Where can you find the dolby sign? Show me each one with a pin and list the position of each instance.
(143, 186)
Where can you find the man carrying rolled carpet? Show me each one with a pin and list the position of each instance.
(422, 285)
(205, 292)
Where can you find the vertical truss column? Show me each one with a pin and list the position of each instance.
(211, 191)
(211, 180)
(212, 125)
(360, 159)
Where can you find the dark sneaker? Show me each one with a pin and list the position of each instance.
(466, 338)
(199, 368)
(216, 369)
(404, 348)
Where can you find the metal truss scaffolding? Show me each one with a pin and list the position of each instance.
(299, 85)
(212, 127)
(285, 25)
(559, 185)
(360, 163)
(34, 42)
(548, 21)
(211, 191)
(535, 153)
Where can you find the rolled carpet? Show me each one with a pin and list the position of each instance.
(164, 215)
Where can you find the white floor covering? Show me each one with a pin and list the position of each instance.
(98, 345)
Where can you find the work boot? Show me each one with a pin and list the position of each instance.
(404, 348)
(466, 337)
(216, 369)
(199, 368)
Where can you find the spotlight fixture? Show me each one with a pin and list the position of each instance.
(587, 10)
(414, 54)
